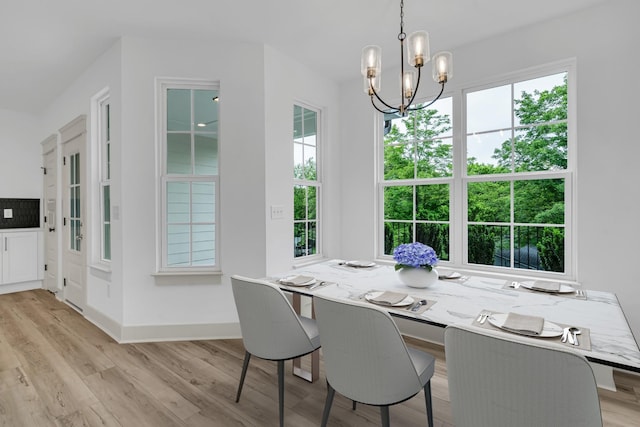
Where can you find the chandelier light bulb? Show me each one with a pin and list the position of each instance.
(442, 67)
(418, 48)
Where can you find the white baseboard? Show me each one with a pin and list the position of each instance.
(10, 288)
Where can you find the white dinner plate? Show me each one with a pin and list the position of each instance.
(564, 288)
(371, 296)
(307, 283)
(361, 264)
(548, 330)
(450, 275)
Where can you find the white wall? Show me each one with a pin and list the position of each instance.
(288, 82)
(20, 155)
(602, 40)
(104, 290)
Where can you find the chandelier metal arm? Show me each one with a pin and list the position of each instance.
(431, 102)
(373, 92)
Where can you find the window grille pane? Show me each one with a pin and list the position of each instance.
(203, 245)
(106, 203)
(489, 109)
(178, 109)
(489, 153)
(107, 242)
(311, 202)
(535, 92)
(398, 203)
(299, 202)
(106, 222)
(436, 236)
(539, 201)
(432, 202)
(541, 148)
(203, 202)
(205, 110)
(396, 233)
(178, 203)
(179, 153)
(178, 245)
(489, 201)
(489, 245)
(206, 154)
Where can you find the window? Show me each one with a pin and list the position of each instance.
(506, 203)
(306, 188)
(100, 172)
(190, 181)
(517, 176)
(417, 180)
(104, 126)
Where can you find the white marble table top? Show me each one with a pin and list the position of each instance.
(460, 301)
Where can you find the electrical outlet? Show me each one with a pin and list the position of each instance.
(277, 211)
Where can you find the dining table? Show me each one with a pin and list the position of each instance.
(483, 300)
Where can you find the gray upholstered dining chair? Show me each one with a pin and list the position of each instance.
(366, 358)
(271, 329)
(503, 381)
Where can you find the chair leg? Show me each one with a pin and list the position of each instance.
(384, 414)
(281, 391)
(327, 405)
(353, 405)
(428, 402)
(245, 365)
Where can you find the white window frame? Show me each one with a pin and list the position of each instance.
(162, 85)
(458, 200)
(101, 142)
(317, 184)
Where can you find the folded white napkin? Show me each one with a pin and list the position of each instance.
(295, 280)
(389, 297)
(546, 286)
(524, 324)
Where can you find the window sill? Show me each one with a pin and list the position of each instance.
(182, 273)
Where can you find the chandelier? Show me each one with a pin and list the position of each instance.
(417, 56)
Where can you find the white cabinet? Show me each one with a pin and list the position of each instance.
(20, 256)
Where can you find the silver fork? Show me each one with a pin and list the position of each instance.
(580, 293)
(483, 317)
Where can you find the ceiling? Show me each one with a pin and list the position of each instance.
(45, 44)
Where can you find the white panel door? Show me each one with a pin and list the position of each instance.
(74, 201)
(50, 186)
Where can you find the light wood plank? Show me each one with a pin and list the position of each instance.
(57, 369)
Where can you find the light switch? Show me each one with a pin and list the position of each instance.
(277, 211)
(8, 213)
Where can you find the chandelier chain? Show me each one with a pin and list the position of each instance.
(402, 35)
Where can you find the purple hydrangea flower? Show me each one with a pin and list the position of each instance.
(417, 255)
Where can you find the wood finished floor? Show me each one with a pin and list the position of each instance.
(57, 369)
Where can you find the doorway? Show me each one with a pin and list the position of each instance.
(73, 217)
(50, 197)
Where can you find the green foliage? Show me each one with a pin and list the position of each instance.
(551, 249)
(481, 245)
